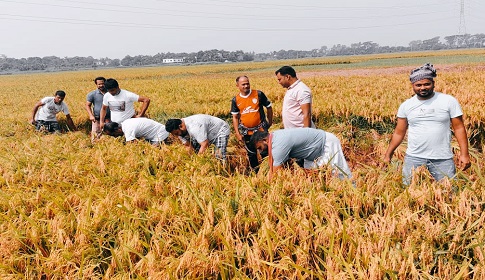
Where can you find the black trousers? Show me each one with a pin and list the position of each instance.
(253, 153)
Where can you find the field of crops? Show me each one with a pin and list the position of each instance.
(70, 209)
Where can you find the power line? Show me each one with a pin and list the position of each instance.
(252, 5)
(206, 15)
(204, 28)
(299, 6)
(150, 10)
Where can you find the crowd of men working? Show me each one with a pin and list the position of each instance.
(426, 118)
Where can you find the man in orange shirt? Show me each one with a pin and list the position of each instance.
(248, 116)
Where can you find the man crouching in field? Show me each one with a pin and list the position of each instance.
(314, 146)
(138, 128)
(198, 132)
(46, 120)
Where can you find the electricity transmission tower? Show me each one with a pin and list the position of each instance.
(462, 27)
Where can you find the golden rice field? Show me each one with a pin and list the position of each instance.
(73, 210)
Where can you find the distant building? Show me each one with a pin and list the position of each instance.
(173, 60)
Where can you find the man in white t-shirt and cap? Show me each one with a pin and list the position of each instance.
(428, 115)
(198, 132)
(138, 128)
(45, 112)
(121, 103)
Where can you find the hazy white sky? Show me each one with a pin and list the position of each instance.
(116, 28)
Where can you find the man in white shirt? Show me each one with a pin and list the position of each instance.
(121, 103)
(198, 132)
(138, 128)
(297, 103)
(428, 115)
(46, 119)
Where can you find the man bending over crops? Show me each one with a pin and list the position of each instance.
(314, 146)
(94, 102)
(47, 109)
(138, 128)
(247, 109)
(121, 103)
(428, 115)
(197, 132)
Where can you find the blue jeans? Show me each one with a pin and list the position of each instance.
(438, 168)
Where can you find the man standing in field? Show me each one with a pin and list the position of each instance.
(428, 115)
(94, 102)
(314, 146)
(46, 119)
(121, 103)
(197, 132)
(297, 103)
(248, 116)
(138, 128)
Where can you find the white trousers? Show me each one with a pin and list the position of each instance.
(333, 155)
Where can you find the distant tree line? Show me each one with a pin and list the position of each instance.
(54, 63)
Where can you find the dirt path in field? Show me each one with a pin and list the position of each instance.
(386, 70)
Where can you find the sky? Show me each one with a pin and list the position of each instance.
(116, 28)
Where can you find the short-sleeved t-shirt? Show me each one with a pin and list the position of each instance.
(205, 127)
(95, 97)
(49, 110)
(296, 95)
(250, 108)
(121, 105)
(429, 133)
(300, 143)
(150, 130)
